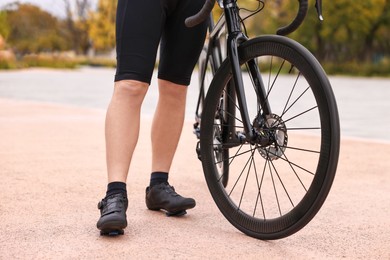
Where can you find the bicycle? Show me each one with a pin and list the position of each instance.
(268, 126)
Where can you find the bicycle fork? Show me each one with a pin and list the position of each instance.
(235, 38)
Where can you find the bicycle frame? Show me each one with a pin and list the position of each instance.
(231, 19)
(213, 51)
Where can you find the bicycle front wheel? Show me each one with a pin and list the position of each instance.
(273, 190)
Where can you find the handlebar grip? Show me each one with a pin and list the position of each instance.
(303, 6)
(202, 15)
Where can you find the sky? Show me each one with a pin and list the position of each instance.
(56, 7)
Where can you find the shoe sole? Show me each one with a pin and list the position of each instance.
(112, 228)
(174, 212)
(171, 213)
(112, 232)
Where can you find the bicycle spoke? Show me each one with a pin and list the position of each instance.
(281, 182)
(270, 72)
(226, 125)
(304, 112)
(274, 186)
(231, 99)
(296, 100)
(286, 110)
(232, 116)
(258, 193)
(296, 174)
(279, 157)
(232, 157)
(239, 177)
(299, 149)
(273, 83)
(300, 128)
(246, 179)
(291, 92)
(259, 190)
(230, 161)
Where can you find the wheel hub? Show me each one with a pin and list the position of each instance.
(276, 131)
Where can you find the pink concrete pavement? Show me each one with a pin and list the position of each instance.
(52, 168)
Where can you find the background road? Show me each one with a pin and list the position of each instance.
(363, 102)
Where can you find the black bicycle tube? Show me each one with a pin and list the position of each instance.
(260, 89)
(201, 96)
(216, 55)
(235, 35)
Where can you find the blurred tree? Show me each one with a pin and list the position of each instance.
(377, 39)
(33, 30)
(348, 24)
(273, 16)
(77, 24)
(102, 26)
(352, 30)
(4, 26)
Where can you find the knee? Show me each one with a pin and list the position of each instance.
(172, 91)
(130, 89)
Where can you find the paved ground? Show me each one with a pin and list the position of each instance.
(52, 170)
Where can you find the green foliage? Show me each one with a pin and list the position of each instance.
(7, 64)
(48, 61)
(352, 30)
(98, 62)
(4, 26)
(358, 69)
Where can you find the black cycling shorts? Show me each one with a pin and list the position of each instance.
(141, 24)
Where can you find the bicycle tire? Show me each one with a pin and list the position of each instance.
(275, 191)
(207, 65)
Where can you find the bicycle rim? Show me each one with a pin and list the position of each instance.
(276, 190)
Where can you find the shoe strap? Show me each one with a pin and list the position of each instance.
(170, 189)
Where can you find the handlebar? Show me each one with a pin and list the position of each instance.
(302, 11)
(203, 14)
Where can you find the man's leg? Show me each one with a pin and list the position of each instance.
(122, 129)
(166, 129)
(167, 124)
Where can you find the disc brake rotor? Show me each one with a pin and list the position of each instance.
(217, 146)
(278, 131)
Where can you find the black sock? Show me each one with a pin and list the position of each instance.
(116, 187)
(158, 177)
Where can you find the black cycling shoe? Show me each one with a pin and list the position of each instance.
(163, 196)
(113, 214)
